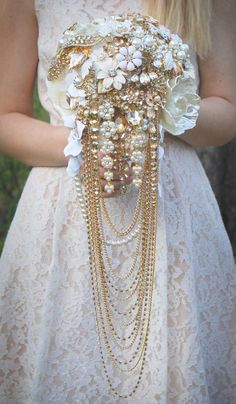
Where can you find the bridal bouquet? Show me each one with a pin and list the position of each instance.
(118, 83)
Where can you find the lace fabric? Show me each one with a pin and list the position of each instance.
(48, 340)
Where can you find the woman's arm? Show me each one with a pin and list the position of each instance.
(216, 124)
(29, 140)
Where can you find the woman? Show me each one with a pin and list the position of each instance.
(49, 352)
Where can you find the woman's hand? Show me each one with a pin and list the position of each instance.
(116, 179)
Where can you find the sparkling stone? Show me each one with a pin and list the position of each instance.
(139, 33)
(168, 61)
(144, 78)
(153, 75)
(157, 63)
(136, 42)
(149, 41)
(134, 78)
(134, 117)
(119, 125)
(78, 81)
(159, 55)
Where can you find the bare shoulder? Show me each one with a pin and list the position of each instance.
(218, 71)
(19, 54)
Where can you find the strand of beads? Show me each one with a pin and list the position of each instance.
(96, 241)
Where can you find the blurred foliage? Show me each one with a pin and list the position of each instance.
(12, 179)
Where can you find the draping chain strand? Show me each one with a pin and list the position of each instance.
(99, 276)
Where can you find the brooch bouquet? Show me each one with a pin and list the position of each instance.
(118, 83)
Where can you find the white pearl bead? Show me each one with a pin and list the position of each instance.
(109, 188)
(108, 175)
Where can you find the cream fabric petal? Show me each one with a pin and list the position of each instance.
(73, 166)
(73, 148)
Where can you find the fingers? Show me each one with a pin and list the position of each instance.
(116, 181)
(116, 174)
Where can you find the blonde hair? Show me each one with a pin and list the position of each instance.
(188, 18)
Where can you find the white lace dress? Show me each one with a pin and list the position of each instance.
(48, 340)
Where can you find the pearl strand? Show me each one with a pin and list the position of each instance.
(133, 234)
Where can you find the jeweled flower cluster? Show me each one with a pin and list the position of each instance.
(121, 73)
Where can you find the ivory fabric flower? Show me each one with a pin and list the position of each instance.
(57, 94)
(77, 94)
(129, 58)
(182, 105)
(112, 76)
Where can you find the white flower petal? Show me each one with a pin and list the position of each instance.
(85, 68)
(123, 51)
(73, 148)
(120, 57)
(130, 66)
(79, 129)
(75, 92)
(123, 64)
(101, 74)
(120, 78)
(69, 78)
(76, 58)
(108, 82)
(131, 49)
(137, 62)
(74, 103)
(69, 119)
(117, 84)
(137, 55)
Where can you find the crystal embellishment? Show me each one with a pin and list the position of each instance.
(134, 117)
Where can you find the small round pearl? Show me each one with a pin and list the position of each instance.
(109, 188)
(108, 175)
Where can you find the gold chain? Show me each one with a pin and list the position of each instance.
(98, 274)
